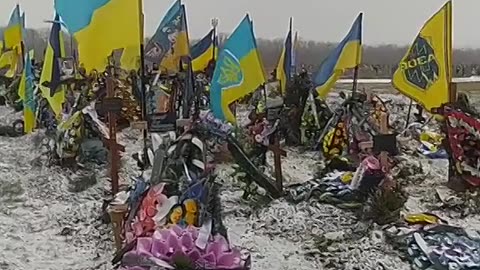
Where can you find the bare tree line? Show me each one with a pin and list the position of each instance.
(378, 61)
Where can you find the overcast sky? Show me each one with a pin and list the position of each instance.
(385, 21)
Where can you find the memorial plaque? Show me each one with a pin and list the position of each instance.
(141, 125)
(273, 113)
(385, 143)
(114, 105)
(162, 122)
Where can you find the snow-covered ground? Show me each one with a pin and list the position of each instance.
(49, 218)
(46, 222)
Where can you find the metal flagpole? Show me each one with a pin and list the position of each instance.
(188, 90)
(355, 72)
(214, 25)
(289, 76)
(142, 78)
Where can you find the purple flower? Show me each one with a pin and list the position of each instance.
(176, 245)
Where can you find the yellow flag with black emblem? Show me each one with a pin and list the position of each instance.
(425, 72)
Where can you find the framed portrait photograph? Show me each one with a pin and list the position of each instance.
(67, 67)
(272, 89)
(161, 114)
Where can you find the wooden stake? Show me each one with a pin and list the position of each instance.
(453, 92)
(112, 142)
(384, 130)
(117, 214)
(277, 158)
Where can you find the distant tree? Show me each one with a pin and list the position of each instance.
(378, 61)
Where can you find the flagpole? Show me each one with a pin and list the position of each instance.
(72, 50)
(355, 72)
(214, 25)
(188, 78)
(22, 44)
(449, 41)
(22, 51)
(408, 113)
(355, 81)
(294, 52)
(142, 78)
(289, 76)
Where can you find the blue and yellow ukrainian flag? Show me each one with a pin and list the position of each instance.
(203, 52)
(51, 69)
(284, 67)
(170, 41)
(239, 71)
(425, 72)
(9, 61)
(102, 26)
(12, 35)
(348, 54)
(12, 45)
(26, 92)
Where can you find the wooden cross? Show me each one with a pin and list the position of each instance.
(278, 153)
(111, 143)
(384, 130)
(388, 182)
